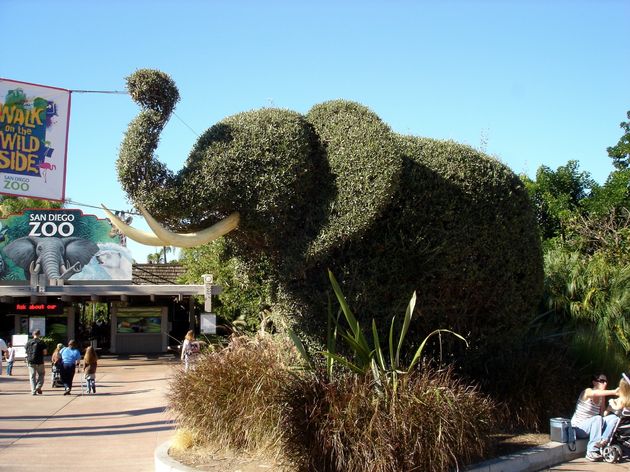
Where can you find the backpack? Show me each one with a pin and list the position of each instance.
(31, 351)
(193, 348)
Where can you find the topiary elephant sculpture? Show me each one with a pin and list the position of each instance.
(336, 188)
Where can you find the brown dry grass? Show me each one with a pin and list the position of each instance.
(229, 399)
(434, 423)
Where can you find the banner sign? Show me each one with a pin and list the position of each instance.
(62, 244)
(208, 323)
(33, 140)
(139, 319)
(37, 308)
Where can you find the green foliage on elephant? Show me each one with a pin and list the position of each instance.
(336, 188)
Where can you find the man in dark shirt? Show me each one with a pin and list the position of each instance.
(35, 352)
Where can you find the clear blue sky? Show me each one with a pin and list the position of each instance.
(531, 82)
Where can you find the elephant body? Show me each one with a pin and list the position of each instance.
(336, 188)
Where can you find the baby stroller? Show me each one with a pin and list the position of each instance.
(619, 445)
(56, 376)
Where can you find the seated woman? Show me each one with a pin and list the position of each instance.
(588, 419)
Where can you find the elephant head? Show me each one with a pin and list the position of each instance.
(337, 188)
(58, 258)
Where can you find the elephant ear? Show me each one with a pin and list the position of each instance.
(22, 252)
(366, 164)
(79, 250)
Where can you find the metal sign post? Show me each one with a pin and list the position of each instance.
(208, 279)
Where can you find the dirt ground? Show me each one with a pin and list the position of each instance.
(209, 460)
(508, 444)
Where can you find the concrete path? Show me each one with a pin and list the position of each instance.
(117, 429)
(582, 465)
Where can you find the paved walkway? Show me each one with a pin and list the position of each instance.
(582, 465)
(117, 429)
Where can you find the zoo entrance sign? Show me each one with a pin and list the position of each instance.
(61, 244)
(33, 140)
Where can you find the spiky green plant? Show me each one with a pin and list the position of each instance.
(386, 366)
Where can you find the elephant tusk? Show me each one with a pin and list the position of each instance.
(67, 273)
(142, 237)
(200, 238)
(35, 267)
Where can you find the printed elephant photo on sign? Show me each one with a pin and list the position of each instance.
(58, 258)
(337, 189)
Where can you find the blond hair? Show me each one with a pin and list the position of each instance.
(90, 356)
(623, 400)
(190, 335)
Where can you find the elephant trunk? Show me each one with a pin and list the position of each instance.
(146, 180)
(51, 264)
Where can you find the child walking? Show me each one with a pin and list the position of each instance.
(89, 368)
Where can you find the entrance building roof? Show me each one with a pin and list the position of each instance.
(143, 286)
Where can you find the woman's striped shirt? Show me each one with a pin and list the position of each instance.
(584, 410)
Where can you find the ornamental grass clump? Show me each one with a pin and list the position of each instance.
(228, 400)
(376, 412)
(434, 423)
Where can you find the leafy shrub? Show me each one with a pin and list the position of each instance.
(537, 381)
(386, 365)
(590, 292)
(436, 423)
(378, 414)
(245, 294)
(51, 341)
(229, 399)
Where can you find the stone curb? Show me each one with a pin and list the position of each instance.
(164, 463)
(533, 459)
(529, 460)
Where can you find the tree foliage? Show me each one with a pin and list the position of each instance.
(558, 195)
(586, 233)
(246, 296)
(620, 153)
(12, 205)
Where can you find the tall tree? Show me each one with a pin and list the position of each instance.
(558, 196)
(159, 257)
(620, 153)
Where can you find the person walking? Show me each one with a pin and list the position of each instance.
(56, 366)
(35, 351)
(56, 355)
(89, 369)
(70, 356)
(10, 358)
(3, 352)
(190, 349)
